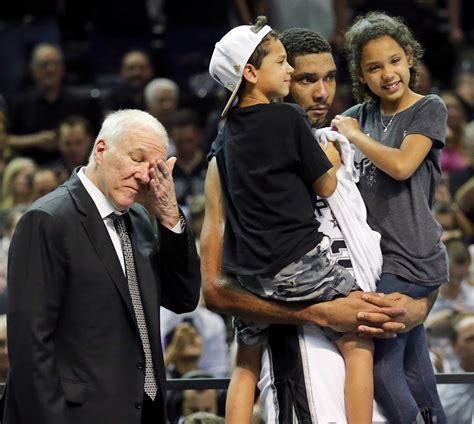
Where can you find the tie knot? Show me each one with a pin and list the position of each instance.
(115, 216)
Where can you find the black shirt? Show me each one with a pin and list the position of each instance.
(33, 113)
(268, 159)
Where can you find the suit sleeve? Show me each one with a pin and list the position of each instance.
(179, 270)
(36, 286)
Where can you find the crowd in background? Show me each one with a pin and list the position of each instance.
(64, 66)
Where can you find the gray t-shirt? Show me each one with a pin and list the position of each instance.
(401, 210)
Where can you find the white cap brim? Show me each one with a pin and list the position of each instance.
(232, 97)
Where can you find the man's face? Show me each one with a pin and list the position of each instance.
(136, 69)
(123, 168)
(186, 139)
(199, 401)
(44, 182)
(313, 85)
(464, 347)
(163, 104)
(74, 144)
(47, 67)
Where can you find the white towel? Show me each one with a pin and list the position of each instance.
(348, 207)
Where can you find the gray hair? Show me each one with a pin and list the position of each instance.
(121, 122)
(159, 84)
(39, 48)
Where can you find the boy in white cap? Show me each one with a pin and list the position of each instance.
(270, 167)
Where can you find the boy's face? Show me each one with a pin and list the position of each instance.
(274, 74)
(313, 85)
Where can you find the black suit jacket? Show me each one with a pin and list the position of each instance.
(74, 346)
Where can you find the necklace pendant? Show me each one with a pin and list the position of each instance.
(385, 129)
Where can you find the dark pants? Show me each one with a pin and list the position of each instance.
(152, 411)
(404, 381)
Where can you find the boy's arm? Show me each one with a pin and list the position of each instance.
(325, 185)
(223, 293)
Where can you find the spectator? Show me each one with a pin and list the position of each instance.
(464, 88)
(189, 173)
(199, 401)
(183, 349)
(210, 326)
(75, 143)
(455, 224)
(161, 97)
(424, 85)
(23, 25)
(458, 399)
(458, 178)
(16, 184)
(136, 71)
(457, 295)
(184, 403)
(44, 181)
(453, 156)
(12, 218)
(38, 112)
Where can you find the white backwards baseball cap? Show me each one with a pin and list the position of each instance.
(230, 56)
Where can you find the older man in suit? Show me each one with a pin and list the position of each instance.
(88, 273)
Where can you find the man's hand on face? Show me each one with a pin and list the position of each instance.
(159, 197)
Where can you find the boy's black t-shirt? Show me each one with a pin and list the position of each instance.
(268, 159)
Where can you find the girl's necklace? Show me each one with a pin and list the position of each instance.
(386, 127)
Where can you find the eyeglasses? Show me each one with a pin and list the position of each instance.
(48, 64)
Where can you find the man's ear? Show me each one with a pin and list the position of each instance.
(250, 73)
(99, 149)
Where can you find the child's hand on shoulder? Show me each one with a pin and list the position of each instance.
(345, 125)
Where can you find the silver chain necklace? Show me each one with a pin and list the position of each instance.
(386, 127)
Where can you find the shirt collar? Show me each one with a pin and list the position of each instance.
(104, 206)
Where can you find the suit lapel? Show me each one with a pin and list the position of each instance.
(99, 237)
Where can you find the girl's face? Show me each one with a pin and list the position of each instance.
(385, 68)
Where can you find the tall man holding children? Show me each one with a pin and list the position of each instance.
(313, 87)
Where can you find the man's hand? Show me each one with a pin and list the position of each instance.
(159, 197)
(416, 309)
(370, 315)
(415, 312)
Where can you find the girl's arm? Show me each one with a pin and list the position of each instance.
(400, 163)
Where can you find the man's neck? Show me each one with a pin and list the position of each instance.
(51, 94)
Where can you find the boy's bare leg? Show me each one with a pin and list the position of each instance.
(241, 392)
(359, 384)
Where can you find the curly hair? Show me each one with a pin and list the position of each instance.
(370, 27)
(301, 41)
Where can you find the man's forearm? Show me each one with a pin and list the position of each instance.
(225, 295)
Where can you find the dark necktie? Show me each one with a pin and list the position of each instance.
(150, 380)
